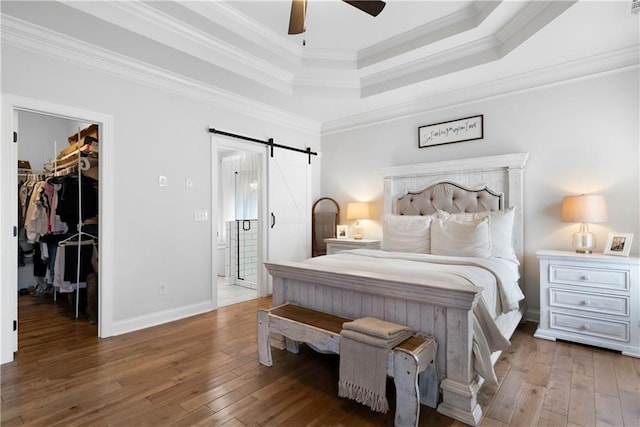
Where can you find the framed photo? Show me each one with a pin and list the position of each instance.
(342, 231)
(618, 244)
(465, 129)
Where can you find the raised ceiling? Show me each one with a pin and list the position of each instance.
(351, 64)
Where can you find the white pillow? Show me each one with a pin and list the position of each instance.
(455, 237)
(406, 233)
(500, 230)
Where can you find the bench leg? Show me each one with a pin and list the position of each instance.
(264, 343)
(428, 385)
(405, 377)
(292, 346)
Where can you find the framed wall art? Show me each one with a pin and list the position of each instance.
(342, 231)
(465, 129)
(618, 244)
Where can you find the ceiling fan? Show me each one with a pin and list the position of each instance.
(299, 11)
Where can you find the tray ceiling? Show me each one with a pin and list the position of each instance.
(350, 62)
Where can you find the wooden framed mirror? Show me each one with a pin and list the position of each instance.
(325, 215)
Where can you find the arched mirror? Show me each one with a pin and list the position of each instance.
(324, 218)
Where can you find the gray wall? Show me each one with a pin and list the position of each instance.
(582, 137)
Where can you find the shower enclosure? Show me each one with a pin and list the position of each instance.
(238, 227)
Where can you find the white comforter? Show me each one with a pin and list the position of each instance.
(498, 279)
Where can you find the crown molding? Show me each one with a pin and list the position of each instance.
(610, 62)
(258, 53)
(155, 24)
(230, 18)
(42, 41)
(466, 19)
(490, 48)
(457, 58)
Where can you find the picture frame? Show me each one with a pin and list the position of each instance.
(342, 231)
(618, 244)
(459, 130)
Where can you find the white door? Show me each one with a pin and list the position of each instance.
(289, 206)
(10, 279)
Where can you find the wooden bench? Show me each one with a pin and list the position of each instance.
(410, 363)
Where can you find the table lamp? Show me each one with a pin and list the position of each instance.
(584, 209)
(357, 211)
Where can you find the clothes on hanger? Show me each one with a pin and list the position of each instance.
(66, 276)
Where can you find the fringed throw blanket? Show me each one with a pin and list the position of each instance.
(364, 348)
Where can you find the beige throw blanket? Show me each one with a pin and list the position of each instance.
(364, 348)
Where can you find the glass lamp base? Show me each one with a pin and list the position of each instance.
(357, 232)
(584, 242)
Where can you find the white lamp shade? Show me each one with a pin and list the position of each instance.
(358, 210)
(584, 209)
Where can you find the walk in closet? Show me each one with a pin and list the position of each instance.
(58, 194)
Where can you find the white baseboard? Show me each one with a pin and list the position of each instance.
(161, 317)
(533, 316)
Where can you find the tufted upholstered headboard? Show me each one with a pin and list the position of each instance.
(465, 185)
(448, 197)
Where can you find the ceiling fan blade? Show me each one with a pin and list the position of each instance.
(372, 7)
(298, 14)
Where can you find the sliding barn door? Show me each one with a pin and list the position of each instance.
(289, 206)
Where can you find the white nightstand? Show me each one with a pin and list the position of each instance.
(336, 245)
(591, 299)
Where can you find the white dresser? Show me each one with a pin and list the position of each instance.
(591, 299)
(335, 245)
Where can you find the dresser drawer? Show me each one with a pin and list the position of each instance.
(608, 329)
(609, 304)
(583, 276)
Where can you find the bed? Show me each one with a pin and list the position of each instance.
(429, 287)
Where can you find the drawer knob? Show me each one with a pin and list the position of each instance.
(585, 277)
(586, 327)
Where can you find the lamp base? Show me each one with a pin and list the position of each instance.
(357, 232)
(583, 241)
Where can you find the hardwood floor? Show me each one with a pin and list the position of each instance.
(204, 371)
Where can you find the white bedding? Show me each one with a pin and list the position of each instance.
(498, 279)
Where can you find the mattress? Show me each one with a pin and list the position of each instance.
(495, 279)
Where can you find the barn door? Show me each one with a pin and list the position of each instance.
(289, 206)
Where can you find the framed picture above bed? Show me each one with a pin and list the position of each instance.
(459, 130)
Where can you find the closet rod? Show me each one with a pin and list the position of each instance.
(270, 143)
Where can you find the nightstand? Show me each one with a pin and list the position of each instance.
(336, 245)
(591, 299)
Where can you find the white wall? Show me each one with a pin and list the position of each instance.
(38, 135)
(582, 137)
(156, 133)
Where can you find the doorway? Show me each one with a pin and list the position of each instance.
(239, 232)
(58, 192)
(13, 106)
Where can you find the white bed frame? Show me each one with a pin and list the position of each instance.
(443, 313)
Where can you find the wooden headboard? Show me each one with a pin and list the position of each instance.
(467, 185)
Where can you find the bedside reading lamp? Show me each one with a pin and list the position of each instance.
(357, 211)
(584, 209)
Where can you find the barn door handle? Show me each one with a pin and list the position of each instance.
(273, 220)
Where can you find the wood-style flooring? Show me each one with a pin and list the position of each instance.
(204, 370)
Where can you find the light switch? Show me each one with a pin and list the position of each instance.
(162, 181)
(201, 215)
(188, 182)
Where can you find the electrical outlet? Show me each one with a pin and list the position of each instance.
(162, 289)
